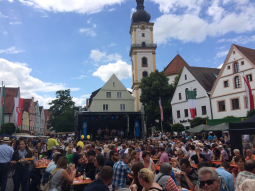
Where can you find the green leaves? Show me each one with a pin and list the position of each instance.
(198, 121)
(62, 118)
(8, 128)
(177, 127)
(152, 87)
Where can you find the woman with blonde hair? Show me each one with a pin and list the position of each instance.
(146, 180)
(106, 149)
(60, 174)
(134, 157)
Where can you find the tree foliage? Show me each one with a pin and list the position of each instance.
(198, 121)
(8, 128)
(229, 116)
(251, 113)
(177, 127)
(153, 87)
(62, 118)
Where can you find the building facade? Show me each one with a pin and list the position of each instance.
(25, 121)
(10, 94)
(112, 97)
(42, 121)
(47, 115)
(173, 69)
(37, 117)
(193, 78)
(142, 51)
(228, 93)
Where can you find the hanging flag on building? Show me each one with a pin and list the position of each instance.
(161, 109)
(3, 104)
(192, 102)
(18, 107)
(249, 97)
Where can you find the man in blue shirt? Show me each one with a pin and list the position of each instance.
(101, 184)
(5, 158)
(223, 171)
(210, 137)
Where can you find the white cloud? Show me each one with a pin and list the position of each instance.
(79, 77)
(222, 53)
(112, 44)
(88, 32)
(15, 23)
(239, 39)
(96, 55)
(132, 11)
(81, 6)
(5, 33)
(86, 96)
(89, 20)
(2, 15)
(195, 20)
(11, 50)
(110, 10)
(18, 75)
(10, 1)
(220, 66)
(121, 69)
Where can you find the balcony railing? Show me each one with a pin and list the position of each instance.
(142, 45)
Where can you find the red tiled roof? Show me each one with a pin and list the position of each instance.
(10, 93)
(175, 65)
(247, 52)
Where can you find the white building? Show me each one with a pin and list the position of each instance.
(172, 70)
(142, 50)
(112, 97)
(228, 93)
(193, 78)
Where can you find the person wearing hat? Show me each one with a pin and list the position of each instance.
(224, 153)
(6, 153)
(90, 167)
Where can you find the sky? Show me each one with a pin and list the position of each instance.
(51, 45)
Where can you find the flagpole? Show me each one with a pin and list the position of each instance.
(1, 106)
(160, 116)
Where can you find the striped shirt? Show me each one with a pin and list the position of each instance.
(170, 185)
(6, 153)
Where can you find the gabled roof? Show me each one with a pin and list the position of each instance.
(205, 76)
(93, 94)
(247, 53)
(10, 93)
(26, 104)
(175, 65)
(41, 108)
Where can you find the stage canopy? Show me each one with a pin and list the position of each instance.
(236, 130)
(198, 129)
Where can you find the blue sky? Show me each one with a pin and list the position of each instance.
(50, 45)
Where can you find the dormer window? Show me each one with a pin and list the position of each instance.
(113, 84)
(185, 77)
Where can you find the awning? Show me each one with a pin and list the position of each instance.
(220, 127)
(198, 129)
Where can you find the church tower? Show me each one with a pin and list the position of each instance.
(142, 51)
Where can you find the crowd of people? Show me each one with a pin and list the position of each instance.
(161, 163)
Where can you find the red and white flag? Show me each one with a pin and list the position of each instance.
(161, 109)
(250, 102)
(18, 107)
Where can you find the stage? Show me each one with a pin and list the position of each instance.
(124, 121)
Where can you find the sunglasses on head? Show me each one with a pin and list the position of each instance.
(208, 182)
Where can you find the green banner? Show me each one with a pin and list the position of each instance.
(3, 104)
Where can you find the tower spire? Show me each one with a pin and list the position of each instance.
(140, 4)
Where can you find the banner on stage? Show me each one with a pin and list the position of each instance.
(137, 133)
(84, 128)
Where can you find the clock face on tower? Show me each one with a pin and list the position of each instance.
(143, 27)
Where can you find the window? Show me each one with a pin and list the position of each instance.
(186, 112)
(195, 89)
(145, 74)
(108, 94)
(185, 77)
(242, 63)
(249, 77)
(180, 96)
(122, 107)
(236, 67)
(228, 67)
(105, 107)
(221, 105)
(113, 84)
(203, 110)
(226, 84)
(118, 94)
(144, 62)
(178, 114)
(195, 111)
(235, 103)
(234, 52)
(143, 34)
(143, 44)
(186, 93)
(237, 82)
